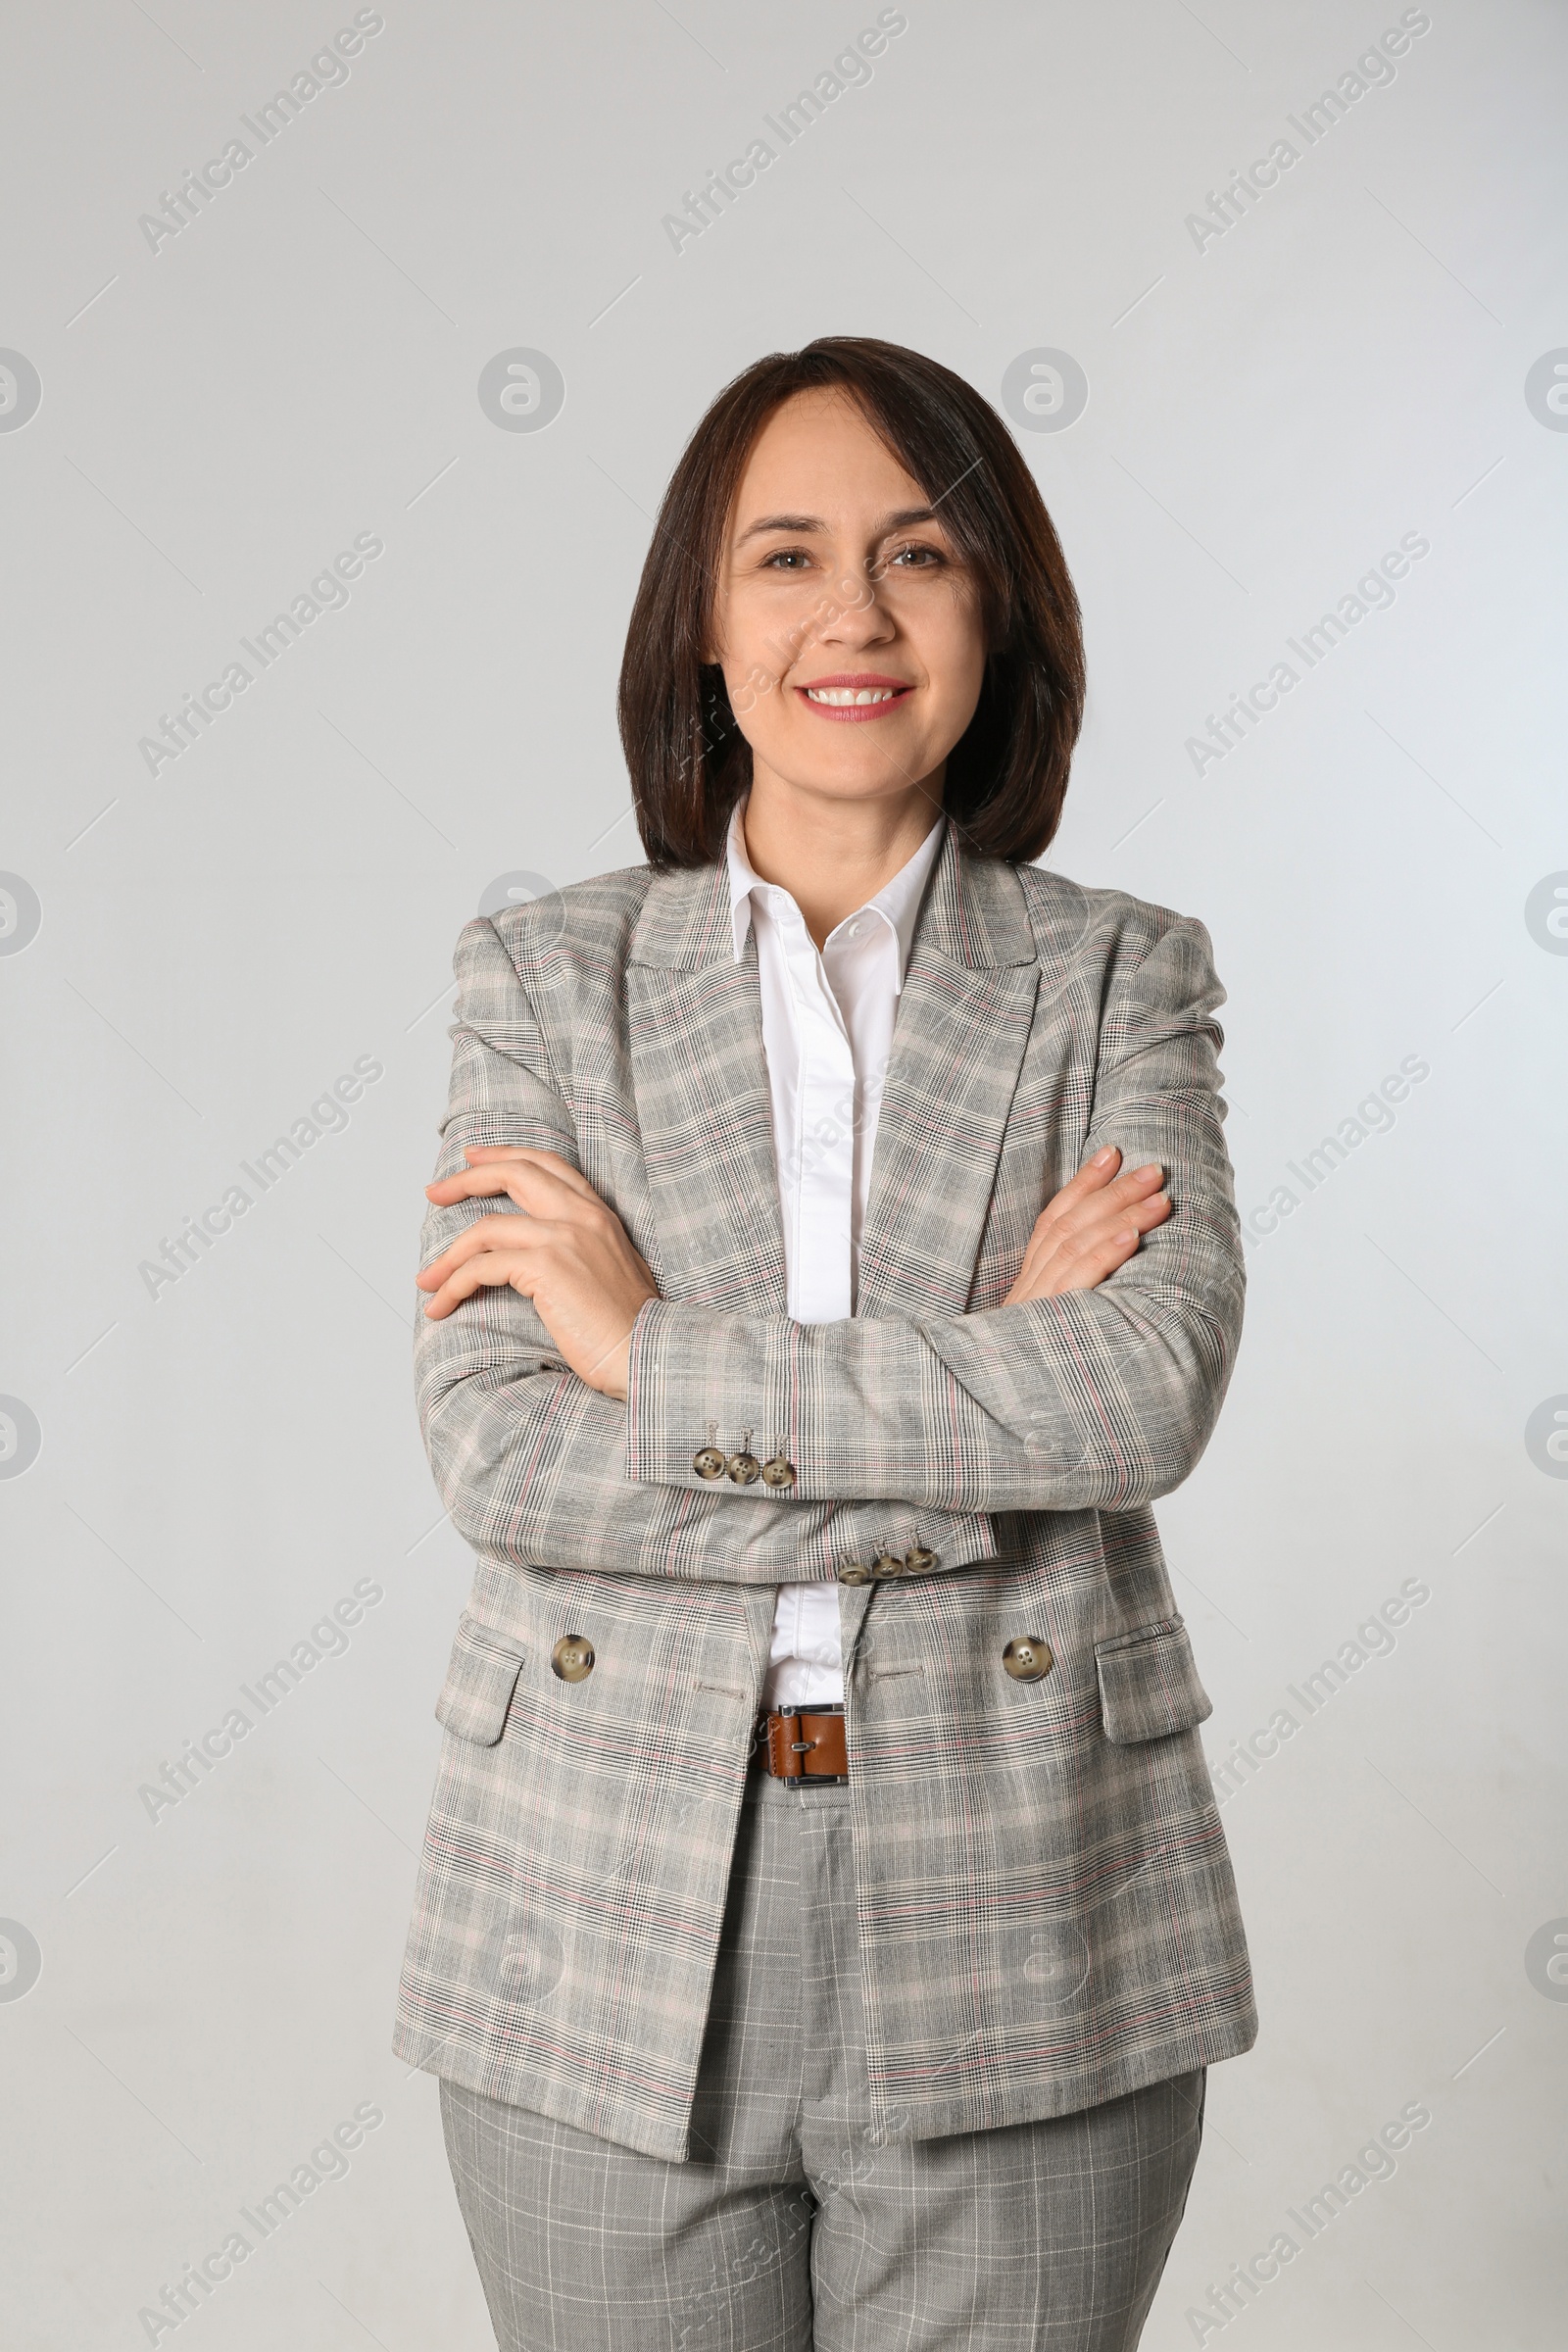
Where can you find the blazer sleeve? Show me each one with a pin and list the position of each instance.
(1101, 1399)
(531, 1461)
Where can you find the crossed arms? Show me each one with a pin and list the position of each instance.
(562, 1398)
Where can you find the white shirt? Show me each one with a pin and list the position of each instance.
(827, 1030)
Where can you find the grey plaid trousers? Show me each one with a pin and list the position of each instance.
(797, 2222)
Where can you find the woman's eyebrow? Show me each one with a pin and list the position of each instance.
(781, 522)
(900, 520)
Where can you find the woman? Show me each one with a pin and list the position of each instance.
(825, 1923)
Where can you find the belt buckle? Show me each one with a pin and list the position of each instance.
(790, 1718)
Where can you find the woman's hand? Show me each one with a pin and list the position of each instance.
(571, 1255)
(1092, 1227)
(568, 1252)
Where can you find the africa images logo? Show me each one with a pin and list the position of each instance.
(21, 391)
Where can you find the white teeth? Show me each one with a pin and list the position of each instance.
(842, 697)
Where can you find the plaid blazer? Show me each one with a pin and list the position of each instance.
(1046, 1909)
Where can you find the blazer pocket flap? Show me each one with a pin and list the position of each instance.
(481, 1675)
(1149, 1684)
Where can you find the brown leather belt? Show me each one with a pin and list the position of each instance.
(810, 1746)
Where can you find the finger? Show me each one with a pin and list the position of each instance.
(1096, 1177)
(1132, 1183)
(1120, 1235)
(1090, 1176)
(1115, 1205)
(1079, 1269)
(552, 1163)
(1088, 1231)
(555, 1163)
(494, 1269)
(469, 1184)
(514, 1151)
(512, 1236)
(1082, 1268)
(1083, 1210)
(1079, 1259)
(526, 1183)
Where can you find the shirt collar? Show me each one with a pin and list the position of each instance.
(898, 901)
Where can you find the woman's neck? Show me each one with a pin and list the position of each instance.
(833, 855)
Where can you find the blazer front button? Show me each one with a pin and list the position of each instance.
(572, 1658)
(1028, 1660)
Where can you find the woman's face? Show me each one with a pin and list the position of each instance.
(848, 630)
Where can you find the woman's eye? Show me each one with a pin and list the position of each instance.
(916, 559)
(786, 559)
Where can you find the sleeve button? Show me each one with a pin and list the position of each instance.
(744, 1467)
(708, 1461)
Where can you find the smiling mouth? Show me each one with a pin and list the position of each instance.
(855, 699)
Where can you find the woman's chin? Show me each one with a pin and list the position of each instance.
(860, 763)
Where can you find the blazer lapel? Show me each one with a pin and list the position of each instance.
(703, 1109)
(700, 1077)
(962, 1023)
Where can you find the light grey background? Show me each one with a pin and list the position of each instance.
(1268, 413)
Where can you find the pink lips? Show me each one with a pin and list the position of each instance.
(858, 680)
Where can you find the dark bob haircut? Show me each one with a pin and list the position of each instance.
(1008, 775)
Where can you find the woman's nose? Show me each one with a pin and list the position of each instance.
(857, 616)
